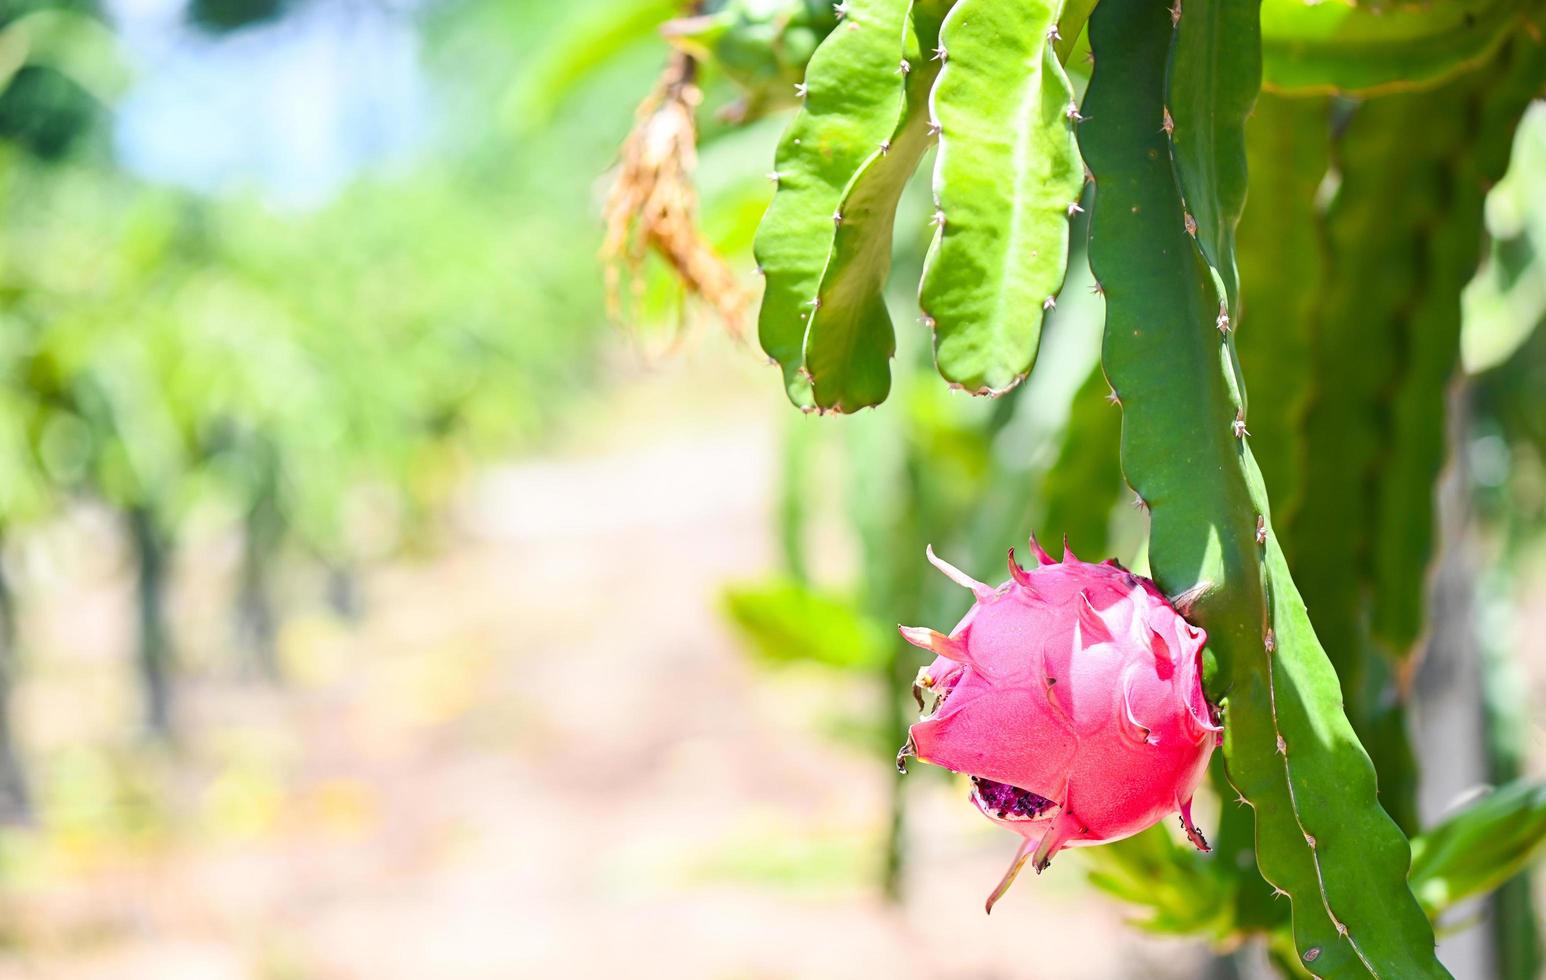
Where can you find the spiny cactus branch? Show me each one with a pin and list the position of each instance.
(1321, 836)
(1006, 181)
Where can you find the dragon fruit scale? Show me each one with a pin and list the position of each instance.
(1072, 696)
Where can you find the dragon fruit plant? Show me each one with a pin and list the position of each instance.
(1080, 703)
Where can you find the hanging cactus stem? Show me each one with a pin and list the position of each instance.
(1162, 241)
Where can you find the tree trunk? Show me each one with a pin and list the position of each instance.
(15, 801)
(155, 654)
(343, 591)
(257, 620)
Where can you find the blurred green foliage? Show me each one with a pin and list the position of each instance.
(322, 378)
(1477, 849)
(786, 620)
(220, 16)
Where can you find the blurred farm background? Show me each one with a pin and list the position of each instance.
(380, 598)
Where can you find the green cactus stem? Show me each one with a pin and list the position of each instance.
(1321, 835)
(849, 339)
(1006, 180)
(1365, 49)
(853, 94)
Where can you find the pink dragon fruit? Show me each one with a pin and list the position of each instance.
(1072, 695)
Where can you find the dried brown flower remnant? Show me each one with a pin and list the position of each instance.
(653, 204)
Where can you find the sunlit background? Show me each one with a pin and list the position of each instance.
(374, 604)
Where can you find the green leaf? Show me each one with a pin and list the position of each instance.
(1071, 23)
(1468, 128)
(785, 621)
(78, 46)
(1433, 131)
(762, 46)
(850, 339)
(1256, 907)
(1282, 259)
(1507, 299)
(1382, 313)
(580, 49)
(1215, 72)
(1005, 179)
(1080, 489)
(854, 96)
(1341, 47)
(1373, 234)
(1393, 163)
(1321, 835)
(1475, 850)
(1151, 870)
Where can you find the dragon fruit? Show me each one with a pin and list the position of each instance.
(1072, 696)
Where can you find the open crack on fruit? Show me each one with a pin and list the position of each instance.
(1008, 802)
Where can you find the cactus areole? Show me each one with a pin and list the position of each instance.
(1072, 695)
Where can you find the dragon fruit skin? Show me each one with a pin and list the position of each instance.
(1073, 695)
